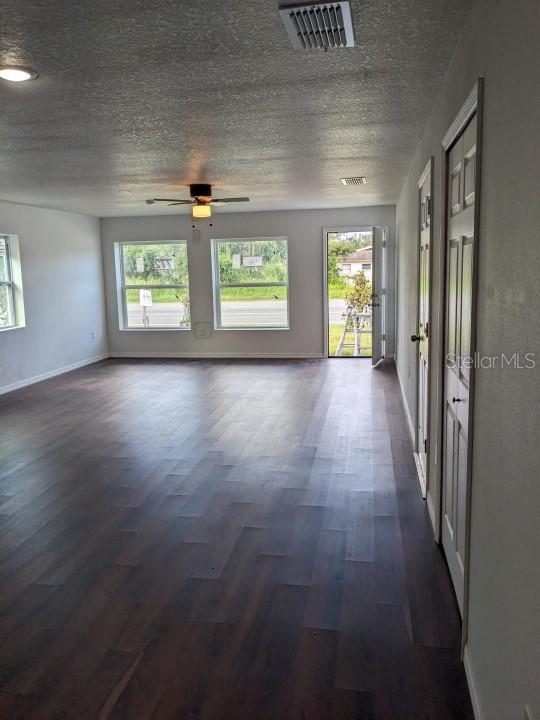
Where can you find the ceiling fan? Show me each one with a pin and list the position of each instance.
(201, 200)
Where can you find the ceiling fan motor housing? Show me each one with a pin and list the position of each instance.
(201, 190)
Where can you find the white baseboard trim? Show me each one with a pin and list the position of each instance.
(473, 687)
(52, 373)
(219, 355)
(407, 411)
(420, 473)
(431, 511)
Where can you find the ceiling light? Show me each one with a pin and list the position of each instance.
(359, 180)
(17, 74)
(200, 210)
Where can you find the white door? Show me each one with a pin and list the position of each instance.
(423, 330)
(378, 295)
(459, 295)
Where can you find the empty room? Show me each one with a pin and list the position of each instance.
(269, 360)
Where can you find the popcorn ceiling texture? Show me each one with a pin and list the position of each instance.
(135, 99)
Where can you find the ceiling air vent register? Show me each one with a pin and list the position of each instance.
(359, 180)
(323, 26)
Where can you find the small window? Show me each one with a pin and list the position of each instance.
(251, 283)
(366, 266)
(7, 296)
(154, 285)
(345, 268)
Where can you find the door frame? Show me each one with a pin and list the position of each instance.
(424, 478)
(326, 230)
(473, 104)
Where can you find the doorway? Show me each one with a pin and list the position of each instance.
(353, 276)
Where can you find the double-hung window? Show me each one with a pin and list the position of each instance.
(154, 285)
(7, 297)
(251, 283)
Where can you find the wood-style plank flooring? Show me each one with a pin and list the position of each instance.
(220, 541)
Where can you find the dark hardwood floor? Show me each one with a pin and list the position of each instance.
(220, 541)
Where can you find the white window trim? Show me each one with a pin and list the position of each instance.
(122, 287)
(13, 283)
(217, 285)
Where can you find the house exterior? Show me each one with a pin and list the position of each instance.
(358, 261)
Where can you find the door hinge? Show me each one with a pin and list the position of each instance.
(383, 336)
(427, 330)
(426, 445)
(428, 206)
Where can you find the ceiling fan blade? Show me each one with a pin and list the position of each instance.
(180, 202)
(173, 200)
(229, 200)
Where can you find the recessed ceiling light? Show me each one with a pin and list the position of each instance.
(12, 73)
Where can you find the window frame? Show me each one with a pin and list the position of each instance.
(217, 285)
(123, 288)
(9, 284)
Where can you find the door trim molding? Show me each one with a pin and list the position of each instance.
(423, 477)
(464, 115)
(473, 104)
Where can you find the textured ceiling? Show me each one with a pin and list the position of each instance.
(136, 98)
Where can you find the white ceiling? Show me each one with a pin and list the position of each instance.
(138, 98)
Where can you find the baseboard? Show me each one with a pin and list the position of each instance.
(431, 511)
(420, 473)
(473, 687)
(52, 373)
(219, 355)
(407, 411)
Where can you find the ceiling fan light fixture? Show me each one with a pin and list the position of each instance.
(201, 210)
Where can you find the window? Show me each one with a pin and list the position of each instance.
(366, 266)
(251, 283)
(345, 268)
(154, 285)
(7, 299)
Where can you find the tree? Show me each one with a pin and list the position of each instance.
(360, 293)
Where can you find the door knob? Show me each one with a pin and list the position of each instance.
(455, 400)
(415, 338)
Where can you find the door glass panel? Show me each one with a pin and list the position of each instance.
(349, 283)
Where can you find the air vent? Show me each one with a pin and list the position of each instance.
(323, 26)
(360, 180)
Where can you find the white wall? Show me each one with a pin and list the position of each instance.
(63, 294)
(500, 43)
(304, 228)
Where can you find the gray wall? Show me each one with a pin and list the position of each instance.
(305, 232)
(500, 43)
(63, 294)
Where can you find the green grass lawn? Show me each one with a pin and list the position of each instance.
(170, 295)
(334, 334)
(337, 290)
(270, 292)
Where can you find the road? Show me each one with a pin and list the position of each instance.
(239, 313)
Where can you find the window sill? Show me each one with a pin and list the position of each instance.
(12, 327)
(151, 329)
(252, 329)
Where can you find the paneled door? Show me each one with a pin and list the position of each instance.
(461, 240)
(423, 330)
